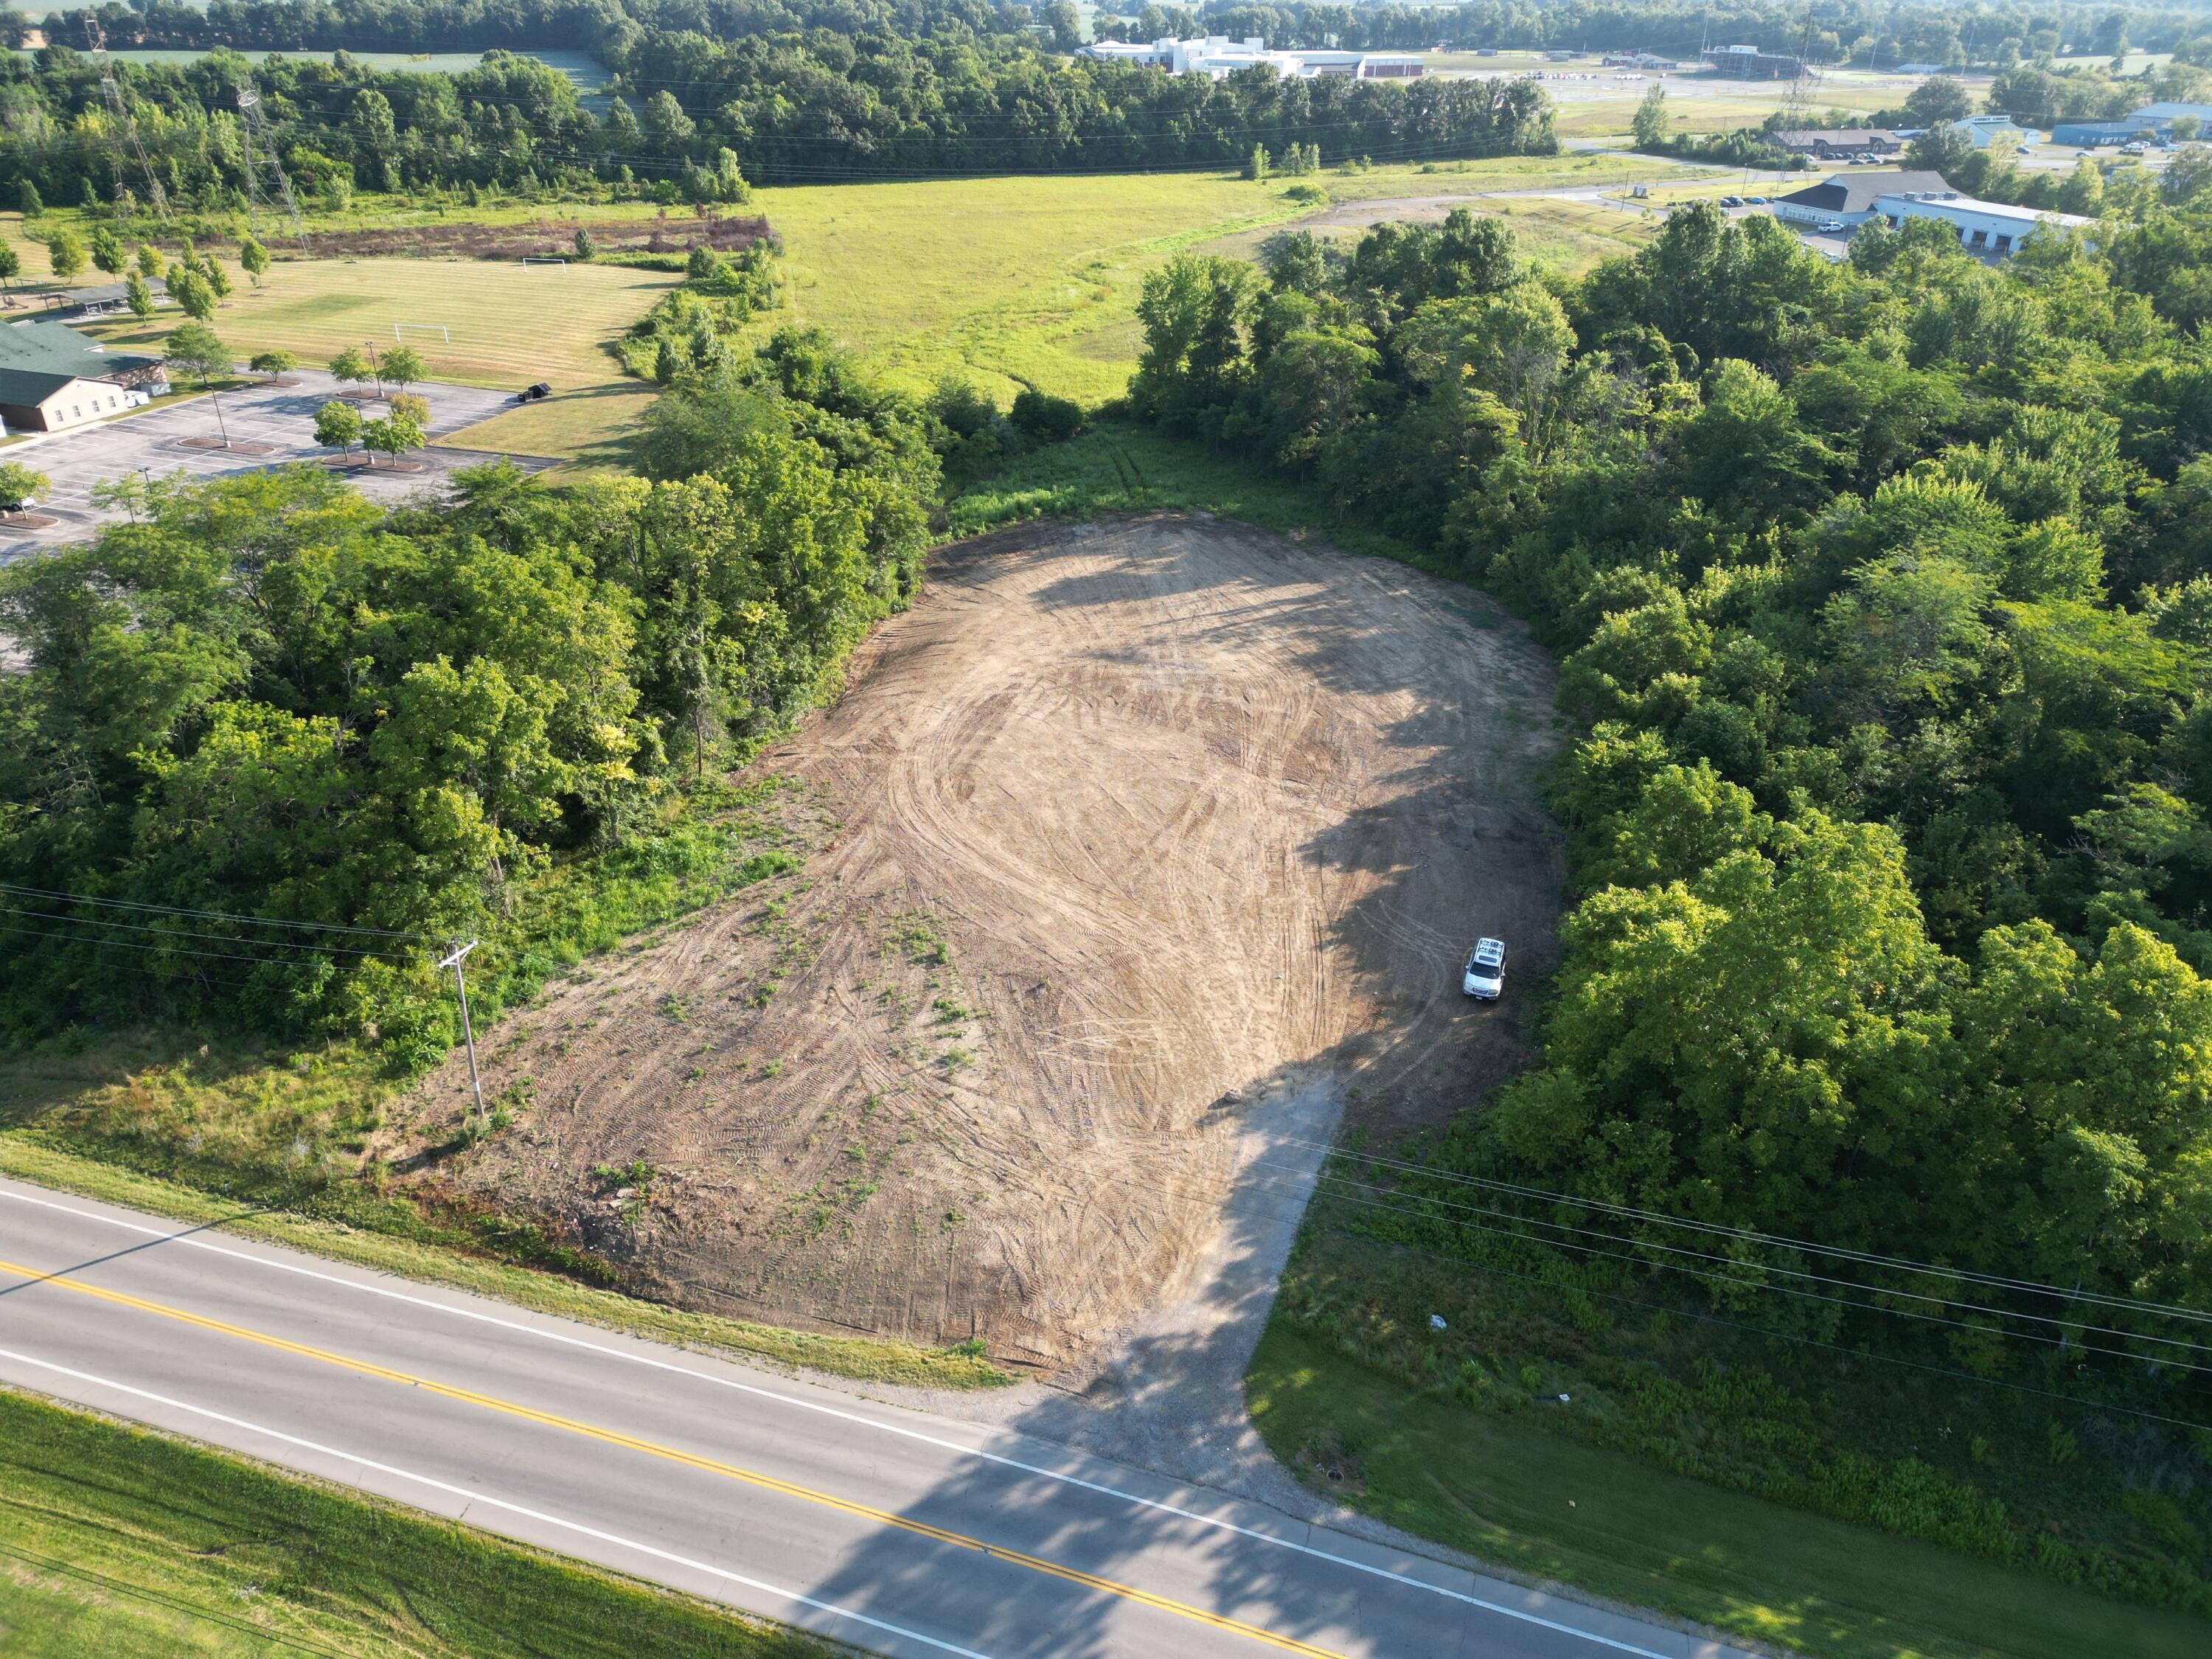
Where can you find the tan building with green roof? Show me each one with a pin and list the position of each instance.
(52, 378)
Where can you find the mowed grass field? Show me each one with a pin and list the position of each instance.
(120, 1544)
(509, 323)
(1033, 282)
(1504, 1489)
(1008, 281)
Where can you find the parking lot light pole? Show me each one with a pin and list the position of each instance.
(221, 426)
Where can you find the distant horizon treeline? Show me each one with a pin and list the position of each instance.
(707, 117)
(1863, 32)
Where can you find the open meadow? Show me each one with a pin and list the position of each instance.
(508, 324)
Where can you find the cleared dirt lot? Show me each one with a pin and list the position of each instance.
(1125, 834)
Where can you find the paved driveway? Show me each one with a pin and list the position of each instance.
(281, 416)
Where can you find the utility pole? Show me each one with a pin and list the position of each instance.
(461, 990)
(114, 94)
(260, 146)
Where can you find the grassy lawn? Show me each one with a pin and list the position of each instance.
(1117, 468)
(510, 325)
(122, 1545)
(1021, 282)
(1501, 1487)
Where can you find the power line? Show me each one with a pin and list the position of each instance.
(220, 916)
(208, 938)
(1731, 1262)
(1967, 1275)
(1785, 1290)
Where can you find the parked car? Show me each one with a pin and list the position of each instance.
(1731, 201)
(1829, 226)
(23, 506)
(1484, 976)
(1755, 201)
(2133, 149)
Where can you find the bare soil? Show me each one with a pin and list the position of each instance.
(1128, 841)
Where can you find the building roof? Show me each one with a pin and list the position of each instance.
(1839, 138)
(26, 388)
(1951, 202)
(1856, 192)
(2171, 112)
(50, 348)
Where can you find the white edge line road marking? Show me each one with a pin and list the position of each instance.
(614, 1539)
(1520, 1613)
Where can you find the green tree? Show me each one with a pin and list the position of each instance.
(11, 265)
(192, 348)
(20, 484)
(27, 199)
(394, 434)
(254, 259)
(190, 292)
(107, 251)
(216, 278)
(1937, 101)
(150, 261)
(352, 366)
(273, 363)
(338, 426)
(403, 366)
(138, 296)
(667, 362)
(1650, 125)
(585, 248)
(66, 253)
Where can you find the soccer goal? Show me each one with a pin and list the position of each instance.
(444, 333)
(564, 263)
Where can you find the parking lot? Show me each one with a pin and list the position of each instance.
(266, 426)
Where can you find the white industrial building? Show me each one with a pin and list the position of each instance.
(1992, 228)
(1217, 57)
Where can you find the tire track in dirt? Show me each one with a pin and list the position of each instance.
(1129, 819)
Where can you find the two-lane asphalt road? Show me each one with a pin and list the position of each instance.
(890, 1530)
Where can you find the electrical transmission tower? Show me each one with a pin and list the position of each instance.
(114, 94)
(260, 148)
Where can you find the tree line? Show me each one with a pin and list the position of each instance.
(1884, 593)
(693, 117)
(266, 697)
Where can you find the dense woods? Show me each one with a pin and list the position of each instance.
(700, 112)
(268, 698)
(1859, 31)
(1882, 590)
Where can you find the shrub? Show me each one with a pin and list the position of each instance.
(1044, 419)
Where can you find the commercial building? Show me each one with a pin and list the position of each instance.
(1850, 198)
(1828, 143)
(1991, 229)
(1637, 60)
(1986, 129)
(1750, 64)
(2164, 115)
(2093, 134)
(52, 376)
(1218, 56)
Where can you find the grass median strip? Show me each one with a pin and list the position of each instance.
(129, 1546)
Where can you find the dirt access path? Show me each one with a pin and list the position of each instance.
(1127, 837)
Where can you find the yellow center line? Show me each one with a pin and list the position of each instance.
(654, 1449)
